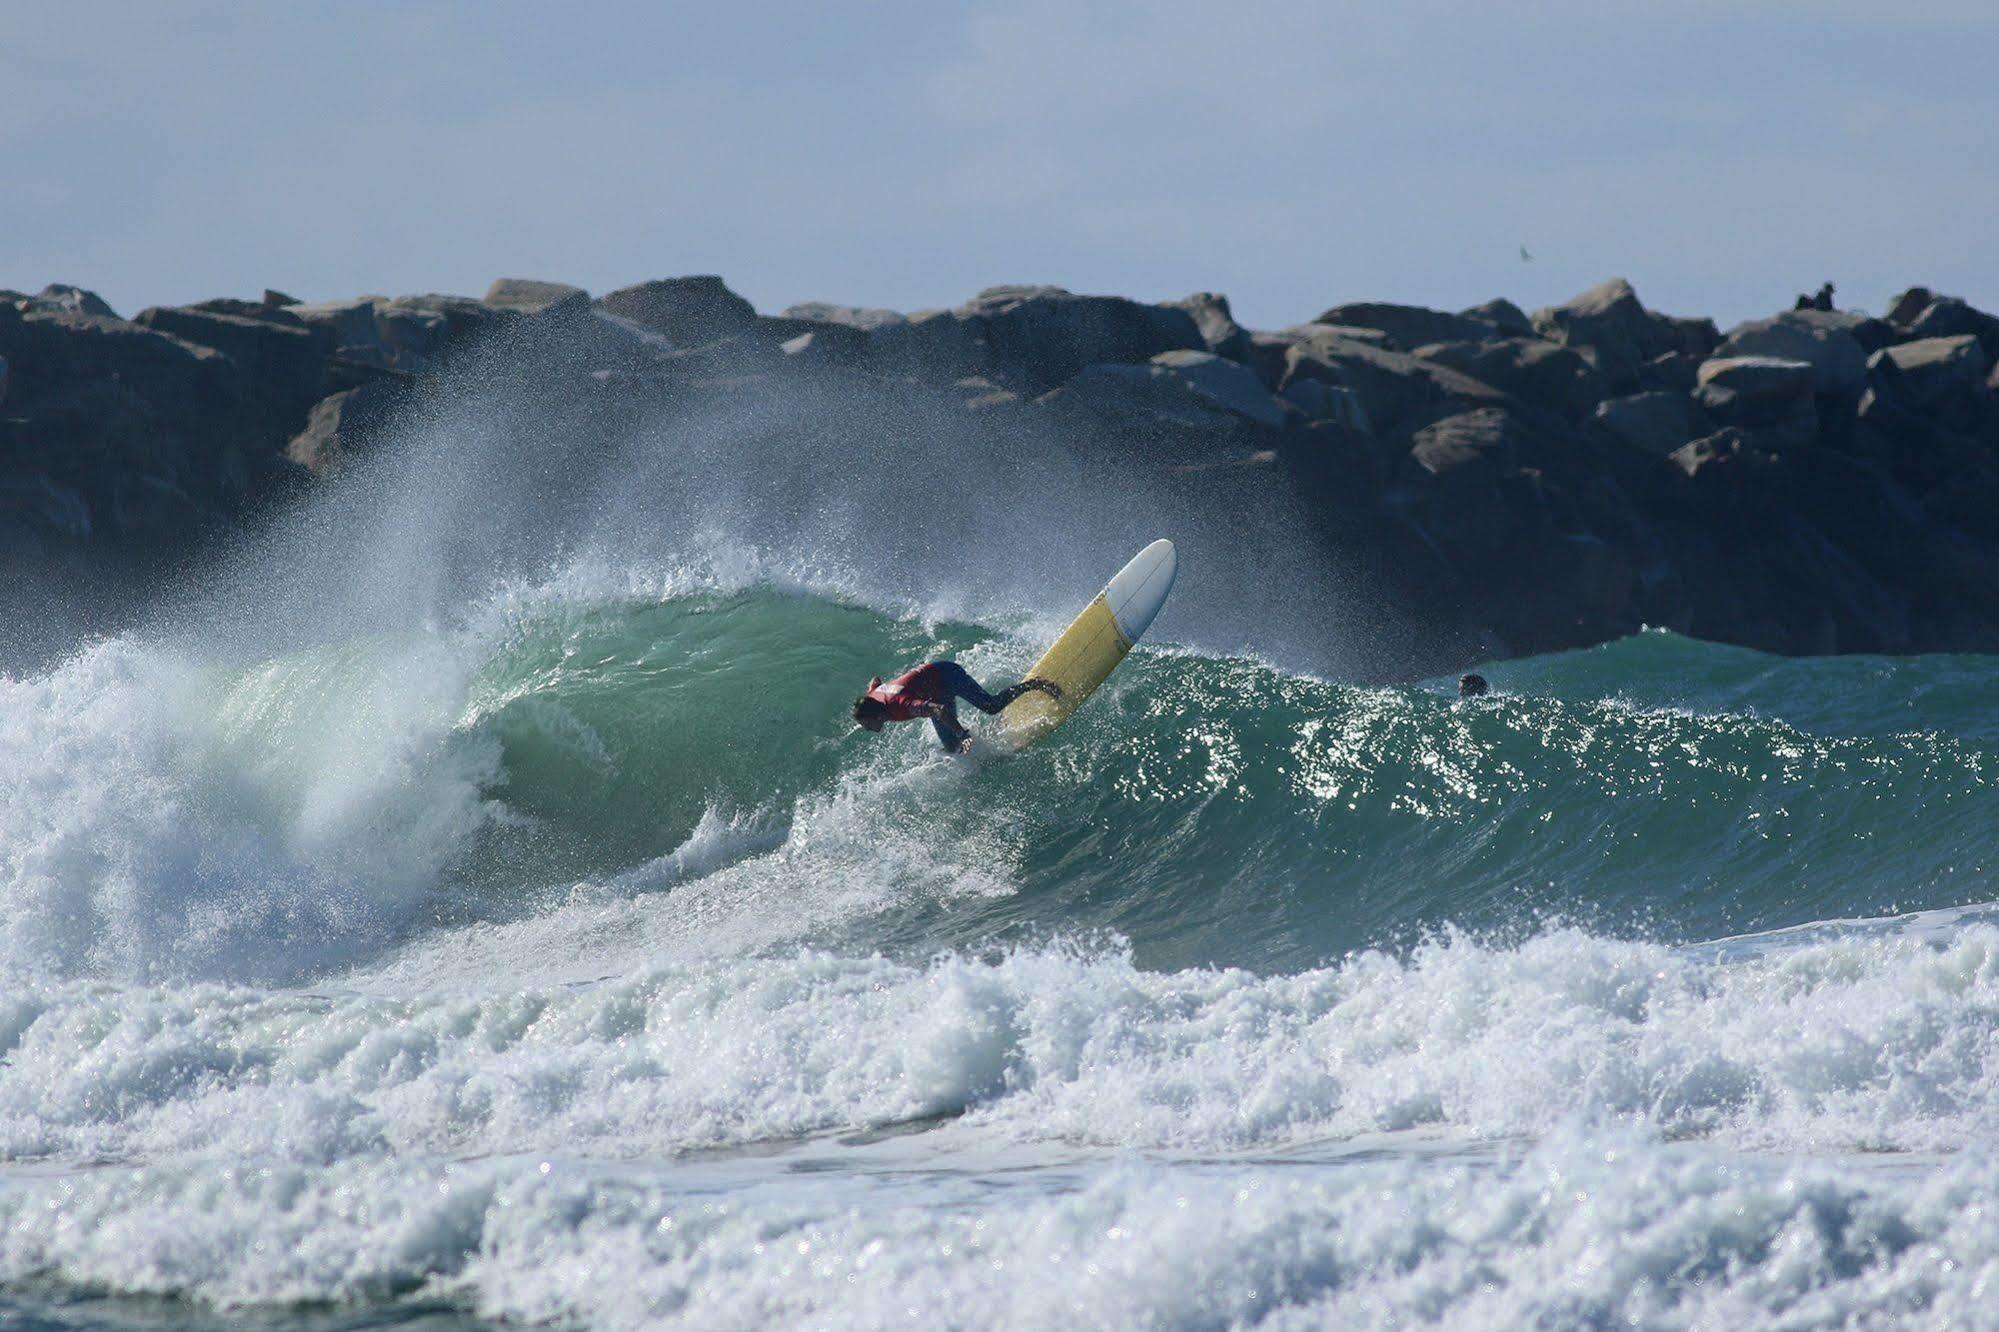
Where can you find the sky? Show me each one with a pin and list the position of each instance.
(1721, 156)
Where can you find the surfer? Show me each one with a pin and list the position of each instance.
(932, 690)
(1472, 686)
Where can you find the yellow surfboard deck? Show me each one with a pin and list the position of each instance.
(1093, 645)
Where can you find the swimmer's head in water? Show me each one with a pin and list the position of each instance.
(1471, 686)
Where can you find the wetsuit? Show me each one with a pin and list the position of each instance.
(932, 690)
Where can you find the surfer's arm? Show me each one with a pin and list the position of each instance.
(950, 730)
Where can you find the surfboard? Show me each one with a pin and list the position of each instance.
(1093, 644)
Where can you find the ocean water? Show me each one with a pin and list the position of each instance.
(393, 935)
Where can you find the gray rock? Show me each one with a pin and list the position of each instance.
(152, 510)
(535, 297)
(1673, 371)
(342, 425)
(242, 309)
(1033, 339)
(1608, 323)
(1450, 483)
(1709, 458)
(1503, 315)
(1943, 378)
(1229, 385)
(63, 296)
(1530, 369)
(1760, 393)
(465, 319)
(3, 379)
(160, 380)
(862, 317)
(1697, 336)
(1135, 399)
(1949, 317)
(1393, 387)
(1336, 404)
(285, 364)
(1823, 339)
(687, 311)
(1658, 422)
(1409, 326)
(1219, 330)
(1902, 311)
(350, 327)
(1185, 389)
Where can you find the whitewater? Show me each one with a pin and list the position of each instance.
(470, 905)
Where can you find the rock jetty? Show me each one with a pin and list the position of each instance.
(1818, 481)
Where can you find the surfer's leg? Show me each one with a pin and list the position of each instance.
(960, 682)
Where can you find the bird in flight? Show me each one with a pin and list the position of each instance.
(1525, 257)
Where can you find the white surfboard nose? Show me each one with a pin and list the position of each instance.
(1139, 589)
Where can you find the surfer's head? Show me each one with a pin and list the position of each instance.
(1471, 686)
(870, 713)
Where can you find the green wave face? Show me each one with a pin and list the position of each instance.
(1219, 811)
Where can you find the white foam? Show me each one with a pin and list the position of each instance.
(1581, 1231)
(159, 818)
(1869, 1044)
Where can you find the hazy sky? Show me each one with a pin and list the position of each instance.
(1723, 156)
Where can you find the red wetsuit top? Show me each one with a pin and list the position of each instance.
(905, 695)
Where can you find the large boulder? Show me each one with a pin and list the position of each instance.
(686, 311)
(1902, 311)
(77, 300)
(1530, 369)
(1503, 315)
(1227, 384)
(533, 296)
(1397, 391)
(1032, 339)
(1409, 326)
(192, 388)
(1658, 422)
(1219, 330)
(1949, 317)
(465, 319)
(1761, 393)
(1450, 485)
(285, 364)
(1335, 404)
(1612, 327)
(1716, 464)
(374, 332)
(1824, 339)
(865, 318)
(342, 425)
(1184, 389)
(1941, 378)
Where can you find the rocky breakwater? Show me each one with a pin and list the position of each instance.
(1818, 481)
